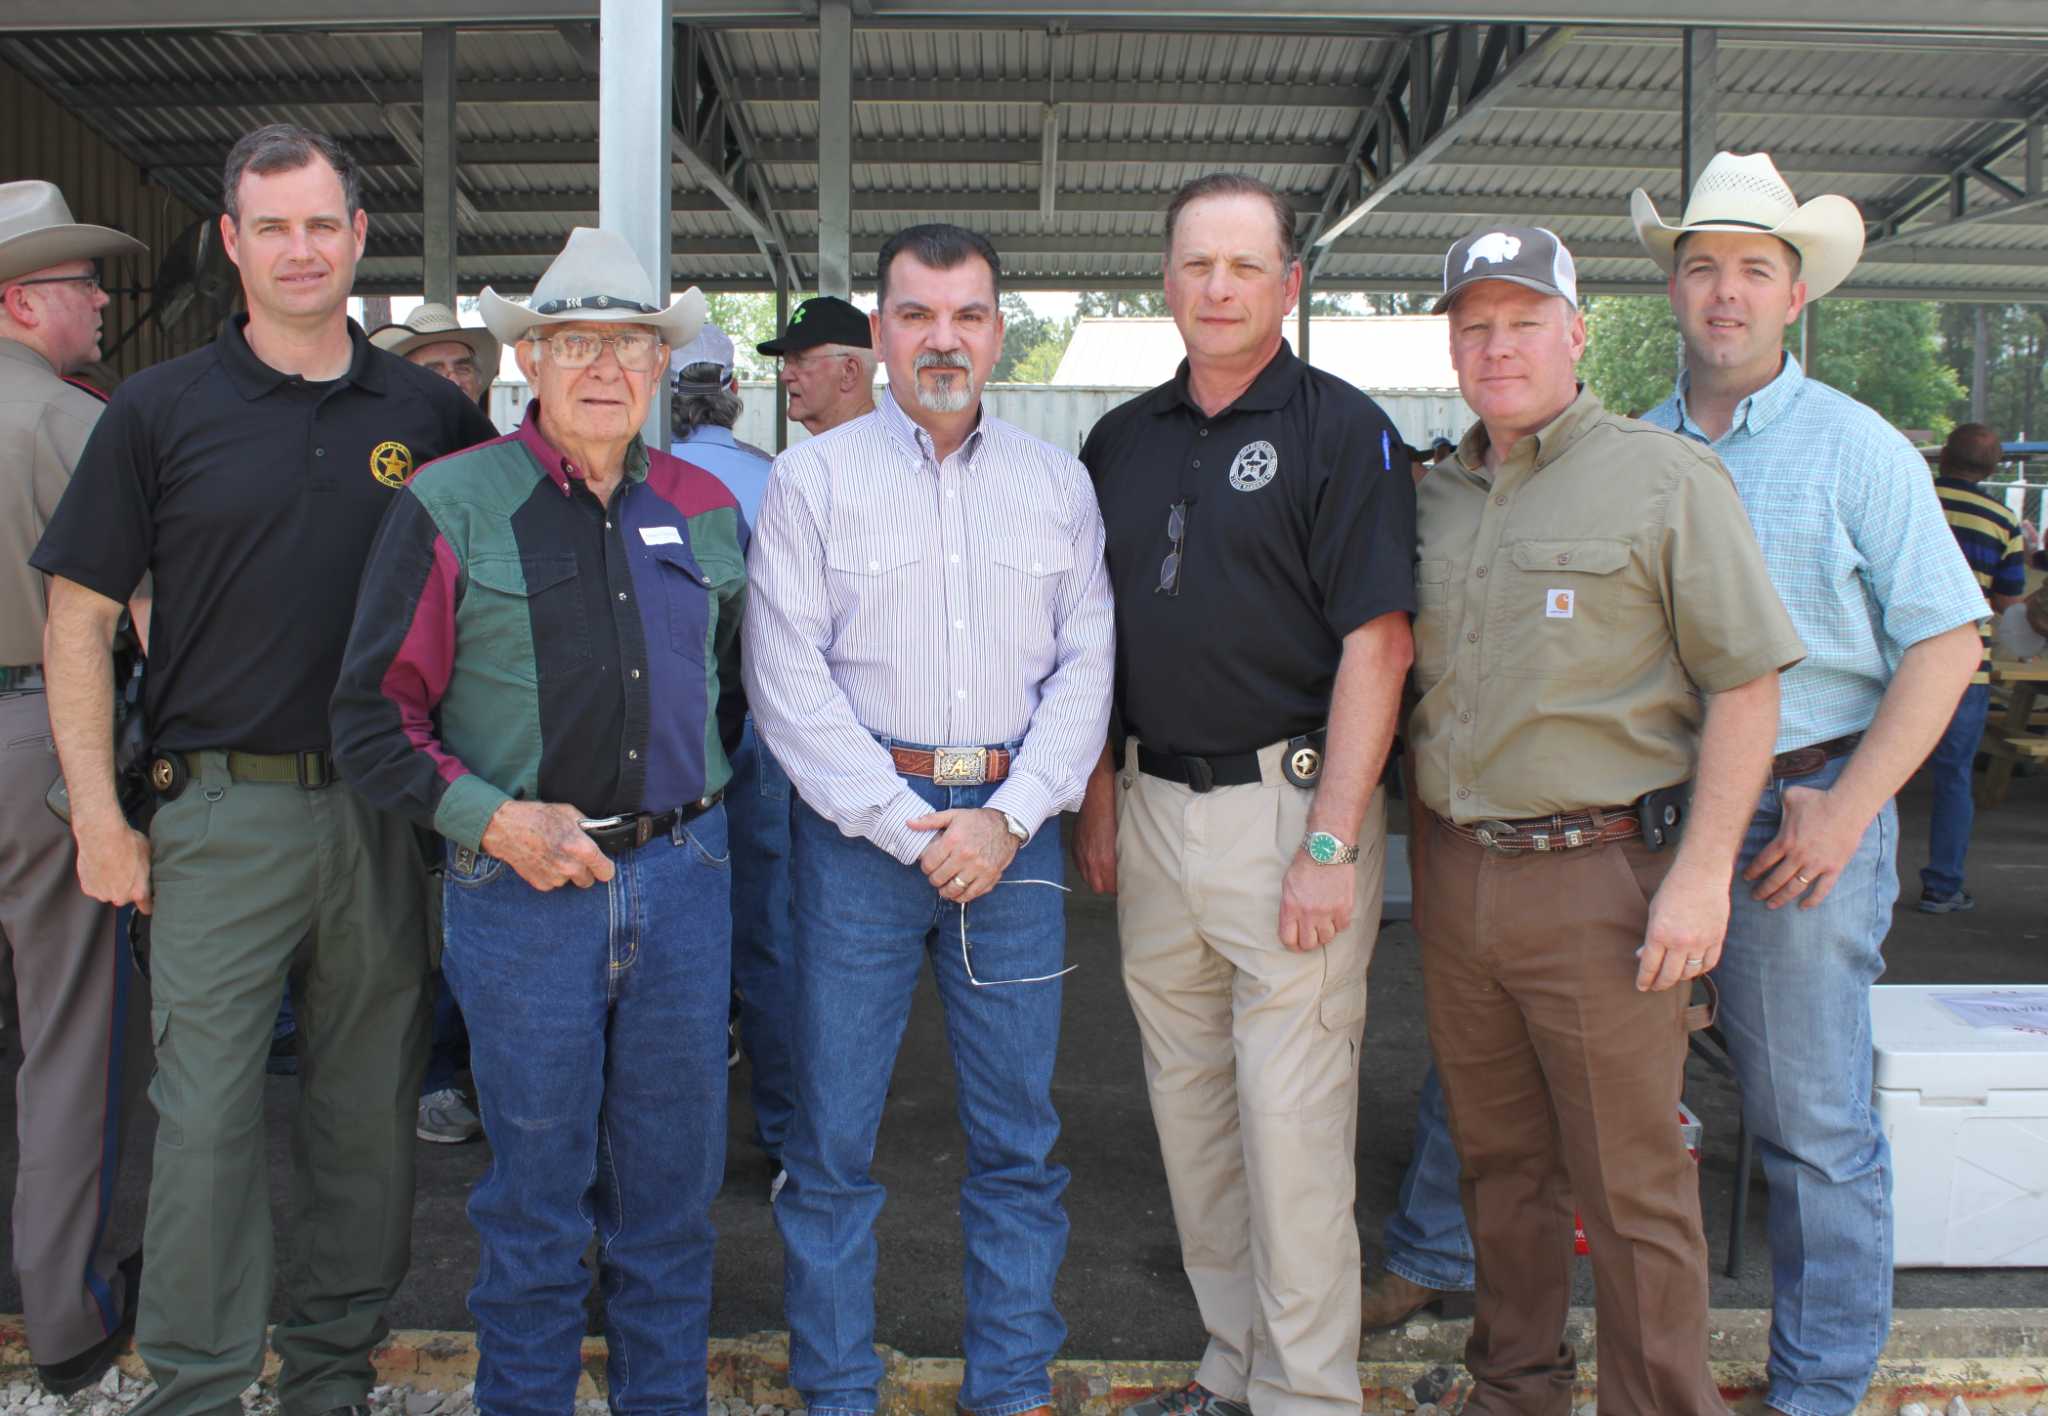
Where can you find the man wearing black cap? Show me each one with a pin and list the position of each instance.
(828, 363)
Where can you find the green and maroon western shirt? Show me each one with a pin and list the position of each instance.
(515, 638)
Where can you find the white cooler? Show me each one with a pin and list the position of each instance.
(1966, 1111)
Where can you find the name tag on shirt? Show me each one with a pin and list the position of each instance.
(662, 535)
(1557, 604)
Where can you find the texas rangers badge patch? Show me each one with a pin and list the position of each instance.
(1253, 466)
(391, 463)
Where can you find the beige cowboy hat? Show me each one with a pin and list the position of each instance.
(36, 231)
(1747, 194)
(596, 277)
(436, 324)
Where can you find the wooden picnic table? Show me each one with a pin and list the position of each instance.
(2008, 741)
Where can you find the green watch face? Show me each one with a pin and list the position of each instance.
(1323, 847)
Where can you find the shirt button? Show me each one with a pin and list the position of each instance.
(1462, 794)
(1464, 717)
(632, 754)
(955, 558)
(1500, 501)
(1197, 462)
(1481, 572)
(959, 693)
(959, 624)
(607, 526)
(622, 594)
(1036, 567)
(1203, 433)
(874, 565)
(1564, 560)
(949, 491)
(636, 673)
(319, 452)
(1472, 638)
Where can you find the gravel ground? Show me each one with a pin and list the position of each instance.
(119, 1393)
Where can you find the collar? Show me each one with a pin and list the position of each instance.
(916, 441)
(1760, 409)
(253, 378)
(553, 461)
(1273, 389)
(21, 354)
(1545, 445)
(713, 434)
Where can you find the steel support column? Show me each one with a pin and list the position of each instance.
(835, 148)
(1980, 368)
(635, 74)
(1301, 314)
(438, 167)
(781, 389)
(1699, 96)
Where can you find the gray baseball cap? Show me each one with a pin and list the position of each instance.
(1531, 256)
(709, 347)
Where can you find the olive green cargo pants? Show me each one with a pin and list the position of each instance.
(254, 882)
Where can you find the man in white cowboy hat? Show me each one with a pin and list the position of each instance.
(544, 669)
(434, 339)
(248, 478)
(1855, 542)
(77, 994)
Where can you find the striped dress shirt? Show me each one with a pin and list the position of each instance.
(895, 597)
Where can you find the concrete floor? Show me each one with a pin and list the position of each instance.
(1122, 1291)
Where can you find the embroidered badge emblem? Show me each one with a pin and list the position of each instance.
(391, 463)
(1254, 466)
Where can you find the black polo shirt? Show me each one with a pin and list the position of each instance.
(1301, 528)
(253, 496)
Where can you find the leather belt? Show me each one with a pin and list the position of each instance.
(311, 770)
(953, 766)
(1805, 761)
(640, 827)
(1569, 831)
(1201, 774)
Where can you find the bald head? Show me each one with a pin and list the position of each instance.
(1972, 452)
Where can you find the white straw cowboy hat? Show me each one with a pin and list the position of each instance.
(36, 231)
(1747, 194)
(436, 324)
(596, 277)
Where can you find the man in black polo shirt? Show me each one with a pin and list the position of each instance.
(249, 479)
(1261, 534)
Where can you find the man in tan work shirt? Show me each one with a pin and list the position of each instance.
(1594, 624)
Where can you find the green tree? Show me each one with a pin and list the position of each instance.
(1029, 337)
(1886, 353)
(1631, 358)
(748, 318)
(1123, 303)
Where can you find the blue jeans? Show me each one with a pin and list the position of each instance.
(1425, 1237)
(1795, 1009)
(865, 925)
(449, 1053)
(598, 1047)
(757, 803)
(1948, 833)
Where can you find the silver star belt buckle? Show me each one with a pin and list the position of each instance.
(959, 766)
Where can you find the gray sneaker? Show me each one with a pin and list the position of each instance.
(447, 1118)
(1194, 1399)
(1931, 903)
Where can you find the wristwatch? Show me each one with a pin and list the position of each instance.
(1325, 849)
(1016, 828)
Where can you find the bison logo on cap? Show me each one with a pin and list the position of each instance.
(1495, 248)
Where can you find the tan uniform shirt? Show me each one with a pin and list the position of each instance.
(1573, 606)
(43, 426)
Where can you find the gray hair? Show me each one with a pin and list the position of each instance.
(286, 147)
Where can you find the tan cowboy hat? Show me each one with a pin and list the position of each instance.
(596, 277)
(36, 231)
(436, 324)
(1747, 194)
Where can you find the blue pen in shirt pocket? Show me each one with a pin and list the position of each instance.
(1386, 449)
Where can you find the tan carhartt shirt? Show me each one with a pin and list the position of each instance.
(1573, 606)
(43, 426)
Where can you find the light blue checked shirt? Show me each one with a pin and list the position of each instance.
(1854, 539)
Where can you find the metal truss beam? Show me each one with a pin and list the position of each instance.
(1988, 145)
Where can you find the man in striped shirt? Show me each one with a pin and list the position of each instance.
(1989, 533)
(928, 653)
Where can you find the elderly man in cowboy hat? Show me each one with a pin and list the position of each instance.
(544, 669)
(72, 981)
(434, 339)
(1855, 542)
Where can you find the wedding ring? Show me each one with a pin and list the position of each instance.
(1694, 963)
(1804, 879)
(959, 881)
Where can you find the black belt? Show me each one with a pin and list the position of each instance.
(1201, 774)
(638, 828)
(1805, 761)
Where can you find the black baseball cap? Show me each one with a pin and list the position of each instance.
(824, 319)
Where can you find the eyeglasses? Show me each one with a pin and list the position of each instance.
(90, 282)
(637, 350)
(1176, 532)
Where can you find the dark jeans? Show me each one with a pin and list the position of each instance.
(1948, 832)
(757, 802)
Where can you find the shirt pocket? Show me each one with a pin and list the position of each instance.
(1565, 609)
(521, 612)
(875, 579)
(1026, 590)
(693, 591)
(1432, 620)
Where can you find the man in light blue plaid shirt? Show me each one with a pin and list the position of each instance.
(1854, 538)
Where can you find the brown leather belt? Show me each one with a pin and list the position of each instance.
(1570, 831)
(953, 766)
(1805, 761)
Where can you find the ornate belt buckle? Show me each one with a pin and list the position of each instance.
(959, 766)
(1494, 835)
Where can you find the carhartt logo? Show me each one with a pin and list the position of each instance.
(1494, 248)
(1557, 604)
(391, 463)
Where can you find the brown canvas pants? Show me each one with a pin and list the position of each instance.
(1563, 1082)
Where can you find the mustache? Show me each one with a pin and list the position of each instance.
(936, 359)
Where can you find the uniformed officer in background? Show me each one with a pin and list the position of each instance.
(74, 985)
(249, 478)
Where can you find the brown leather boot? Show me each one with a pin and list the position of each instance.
(1394, 1300)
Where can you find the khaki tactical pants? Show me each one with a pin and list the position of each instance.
(254, 881)
(1251, 1055)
